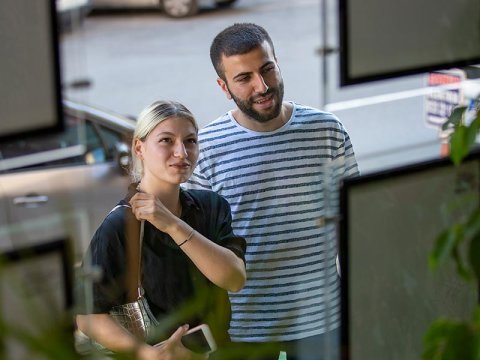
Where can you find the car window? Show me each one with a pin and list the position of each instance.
(31, 145)
(78, 132)
(111, 139)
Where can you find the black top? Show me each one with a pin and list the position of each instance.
(170, 279)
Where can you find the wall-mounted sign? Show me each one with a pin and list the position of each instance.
(30, 92)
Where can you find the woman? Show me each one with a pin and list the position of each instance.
(188, 239)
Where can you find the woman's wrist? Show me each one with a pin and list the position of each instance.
(144, 352)
(187, 239)
(182, 233)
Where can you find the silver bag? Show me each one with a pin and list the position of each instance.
(136, 317)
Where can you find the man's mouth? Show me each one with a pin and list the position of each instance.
(263, 99)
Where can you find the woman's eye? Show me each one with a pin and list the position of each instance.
(192, 141)
(165, 140)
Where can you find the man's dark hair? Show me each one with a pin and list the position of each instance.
(238, 39)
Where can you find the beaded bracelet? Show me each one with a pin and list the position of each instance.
(188, 238)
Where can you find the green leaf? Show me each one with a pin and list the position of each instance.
(462, 269)
(449, 340)
(474, 255)
(472, 132)
(455, 117)
(472, 226)
(459, 146)
(461, 344)
(435, 339)
(444, 244)
(476, 318)
(476, 121)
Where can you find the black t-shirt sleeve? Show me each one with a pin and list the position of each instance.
(224, 232)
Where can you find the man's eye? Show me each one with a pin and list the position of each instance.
(192, 141)
(268, 69)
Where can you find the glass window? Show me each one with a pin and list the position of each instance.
(56, 149)
(111, 139)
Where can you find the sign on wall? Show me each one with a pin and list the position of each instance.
(30, 94)
(439, 104)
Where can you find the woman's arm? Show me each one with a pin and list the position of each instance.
(220, 265)
(106, 331)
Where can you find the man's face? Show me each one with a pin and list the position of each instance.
(254, 82)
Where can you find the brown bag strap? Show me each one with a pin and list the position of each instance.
(134, 239)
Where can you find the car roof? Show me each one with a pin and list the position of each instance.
(105, 118)
(101, 116)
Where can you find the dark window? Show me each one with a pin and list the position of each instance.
(60, 148)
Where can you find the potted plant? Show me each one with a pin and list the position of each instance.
(448, 339)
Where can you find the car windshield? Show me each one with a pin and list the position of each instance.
(51, 148)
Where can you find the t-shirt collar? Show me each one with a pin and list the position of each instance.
(188, 201)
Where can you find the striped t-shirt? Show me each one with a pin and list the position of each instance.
(279, 186)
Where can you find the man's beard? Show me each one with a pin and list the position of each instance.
(247, 106)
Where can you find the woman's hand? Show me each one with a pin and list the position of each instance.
(149, 207)
(219, 264)
(105, 330)
(170, 349)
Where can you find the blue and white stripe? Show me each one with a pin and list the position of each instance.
(276, 185)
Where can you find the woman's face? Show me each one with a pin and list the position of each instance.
(170, 151)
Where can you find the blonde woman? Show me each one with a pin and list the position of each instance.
(188, 239)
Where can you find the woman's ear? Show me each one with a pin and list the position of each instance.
(138, 148)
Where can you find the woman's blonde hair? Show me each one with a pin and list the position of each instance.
(148, 119)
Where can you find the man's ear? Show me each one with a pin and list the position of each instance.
(223, 86)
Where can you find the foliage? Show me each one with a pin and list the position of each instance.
(448, 339)
(453, 340)
(464, 132)
(40, 332)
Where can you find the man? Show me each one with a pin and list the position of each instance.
(274, 161)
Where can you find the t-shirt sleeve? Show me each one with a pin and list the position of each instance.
(345, 156)
(225, 235)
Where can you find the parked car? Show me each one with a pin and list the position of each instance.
(172, 8)
(63, 184)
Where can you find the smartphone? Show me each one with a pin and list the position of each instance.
(199, 340)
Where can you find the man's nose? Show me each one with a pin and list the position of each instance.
(260, 85)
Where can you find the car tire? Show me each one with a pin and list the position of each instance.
(225, 4)
(179, 8)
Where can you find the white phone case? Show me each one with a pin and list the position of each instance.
(204, 329)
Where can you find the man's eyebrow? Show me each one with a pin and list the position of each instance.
(268, 63)
(241, 74)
